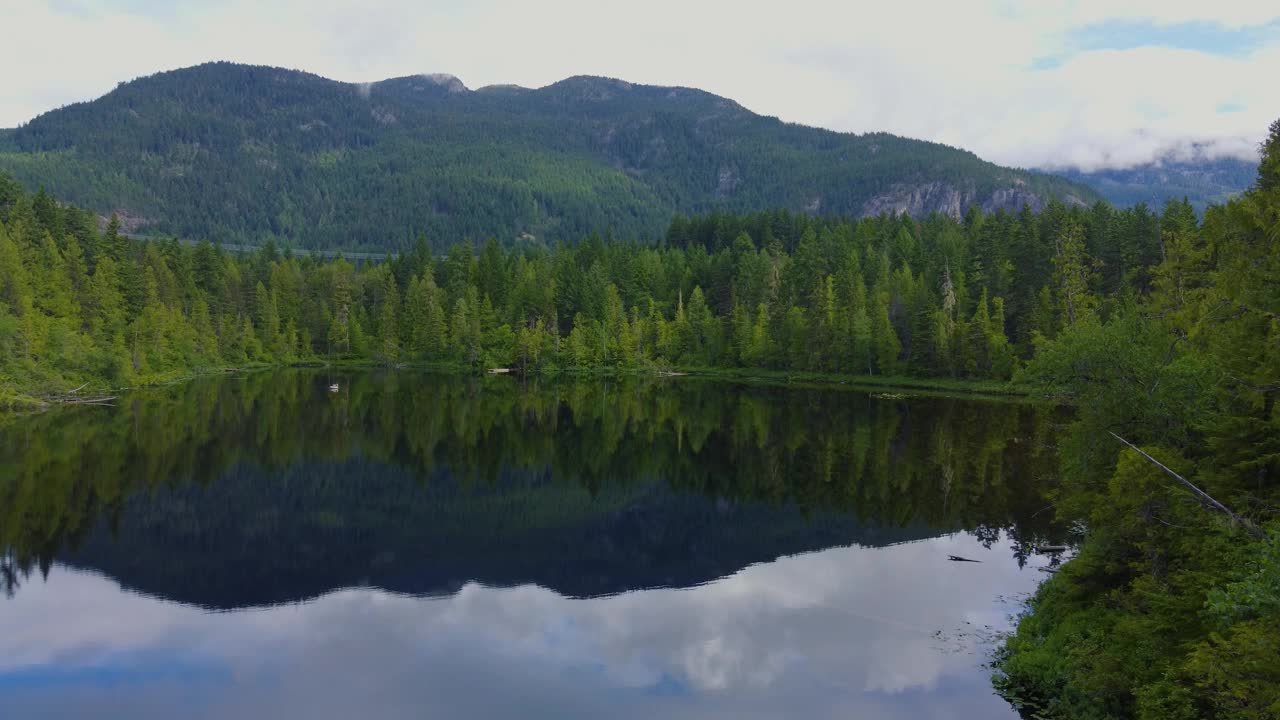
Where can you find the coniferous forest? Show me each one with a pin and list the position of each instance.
(1160, 328)
(242, 153)
(886, 296)
(1172, 607)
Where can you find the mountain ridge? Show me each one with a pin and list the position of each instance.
(1201, 178)
(242, 153)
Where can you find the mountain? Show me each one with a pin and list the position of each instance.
(241, 153)
(1204, 181)
(205, 546)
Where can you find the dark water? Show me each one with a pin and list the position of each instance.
(415, 546)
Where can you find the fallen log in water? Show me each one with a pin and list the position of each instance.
(104, 400)
(73, 397)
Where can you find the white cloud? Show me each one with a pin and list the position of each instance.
(843, 632)
(959, 73)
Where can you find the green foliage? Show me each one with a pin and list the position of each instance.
(318, 163)
(1172, 609)
(826, 454)
(1160, 329)
(770, 291)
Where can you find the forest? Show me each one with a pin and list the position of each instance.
(487, 467)
(1157, 328)
(885, 296)
(1171, 609)
(239, 153)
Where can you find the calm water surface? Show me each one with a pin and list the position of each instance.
(415, 546)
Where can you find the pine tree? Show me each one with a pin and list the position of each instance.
(339, 334)
(77, 274)
(1003, 358)
(55, 295)
(14, 288)
(884, 338)
(206, 342)
(795, 331)
(861, 337)
(1072, 272)
(944, 330)
(249, 340)
(1269, 167)
(461, 336)
(980, 337)
(114, 243)
(677, 336)
(106, 309)
(267, 313)
(388, 320)
(431, 332)
(1181, 280)
(701, 330)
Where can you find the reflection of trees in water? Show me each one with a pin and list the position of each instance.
(945, 464)
(8, 573)
(261, 537)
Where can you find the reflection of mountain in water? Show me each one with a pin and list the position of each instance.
(268, 487)
(257, 537)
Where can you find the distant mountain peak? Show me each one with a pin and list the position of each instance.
(445, 80)
(432, 84)
(592, 87)
(504, 87)
(1199, 172)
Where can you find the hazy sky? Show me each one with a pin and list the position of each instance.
(846, 632)
(1089, 82)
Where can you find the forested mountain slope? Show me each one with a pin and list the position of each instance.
(1202, 181)
(240, 153)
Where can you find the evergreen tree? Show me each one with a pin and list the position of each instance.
(388, 320)
(1072, 271)
(887, 346)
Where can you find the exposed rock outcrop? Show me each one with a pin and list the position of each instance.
(945, 198)
(917, 200)
(727, 180)
(447, 81)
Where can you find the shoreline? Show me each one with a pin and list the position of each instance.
(19, 403)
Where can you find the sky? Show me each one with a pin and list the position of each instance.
(845, 632)
(1085, 83)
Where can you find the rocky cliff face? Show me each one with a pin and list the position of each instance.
(952, 200)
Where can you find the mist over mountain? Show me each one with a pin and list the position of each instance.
(1203, 180)
(242, 153)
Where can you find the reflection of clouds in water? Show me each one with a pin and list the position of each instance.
(844, 629)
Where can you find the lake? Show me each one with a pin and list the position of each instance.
(258, 546)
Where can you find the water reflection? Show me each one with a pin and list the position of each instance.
(478, 548)
(842, 632)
